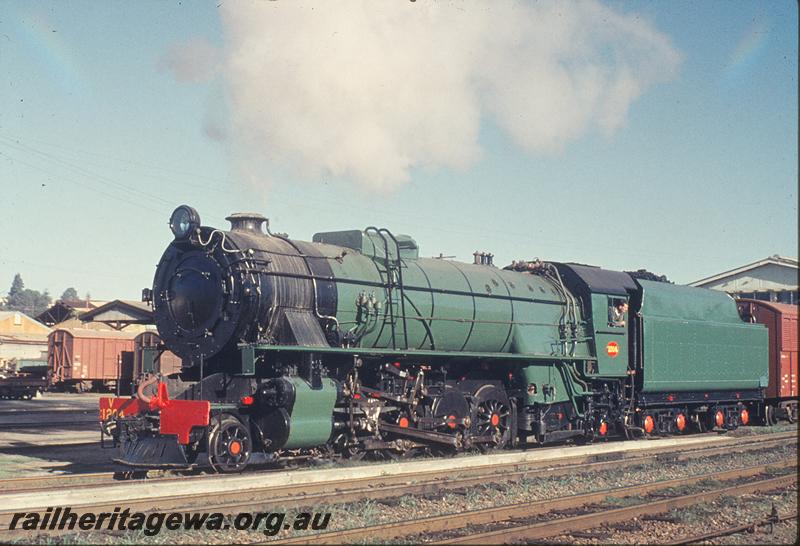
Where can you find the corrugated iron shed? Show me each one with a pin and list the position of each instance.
(119, 314)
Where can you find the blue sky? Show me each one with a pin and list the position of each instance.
(101, 137)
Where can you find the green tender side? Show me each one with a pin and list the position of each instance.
(312, 414)
(694, 340)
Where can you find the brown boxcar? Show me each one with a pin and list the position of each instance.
(781, 321)
(81, 358)
(169, 362)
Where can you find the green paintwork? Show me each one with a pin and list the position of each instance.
(311, 415)
(28, 363)
(449, 306)
(149, 359)
(605, 334)
(400, 353)
(554, 383)
(370, 243)
(694, 340)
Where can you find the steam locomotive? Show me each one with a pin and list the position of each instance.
(353, 344)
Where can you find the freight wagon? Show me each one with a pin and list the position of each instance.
(781, 322)
(23, 378)
(81, 359)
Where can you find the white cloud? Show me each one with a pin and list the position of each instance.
(369, 90)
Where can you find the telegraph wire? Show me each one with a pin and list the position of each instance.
(80, 170)
(283, 197)
(79, 183)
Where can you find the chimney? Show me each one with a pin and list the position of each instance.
(247, 221)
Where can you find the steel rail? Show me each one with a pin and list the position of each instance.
(689, 539)
(37, 412)
(451, 522)
(537, 531)
(20, 447)
(66, 423)
(496, 472)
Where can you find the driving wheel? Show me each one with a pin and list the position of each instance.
(491, 418)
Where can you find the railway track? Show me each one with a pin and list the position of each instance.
(81, 424)
(511, 514)
(32, 484)
(732, 530)
(50, 448)
(23, 420)
(373, 486)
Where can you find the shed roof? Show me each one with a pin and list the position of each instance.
(9, 314)
(775, 259)
(120, 313)
(25, 339)
(63, 310)
(5, 315)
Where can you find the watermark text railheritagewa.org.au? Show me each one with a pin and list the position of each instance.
(152, 523)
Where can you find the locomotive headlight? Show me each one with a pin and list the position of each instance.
(184, 221)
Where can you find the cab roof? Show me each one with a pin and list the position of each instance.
(593, 279)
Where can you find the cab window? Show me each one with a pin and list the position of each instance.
(617, 312)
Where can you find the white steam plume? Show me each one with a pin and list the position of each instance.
(369, 90)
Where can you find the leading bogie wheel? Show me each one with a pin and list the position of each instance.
(229, 445)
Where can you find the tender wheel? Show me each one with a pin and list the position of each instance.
(491, 417)
(229, 445)
(791, 413)
(769, 416)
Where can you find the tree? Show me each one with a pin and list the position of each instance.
(16, 294)
(70, 294)
(25, 300)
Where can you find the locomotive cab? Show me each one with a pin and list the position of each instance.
(601, 291)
